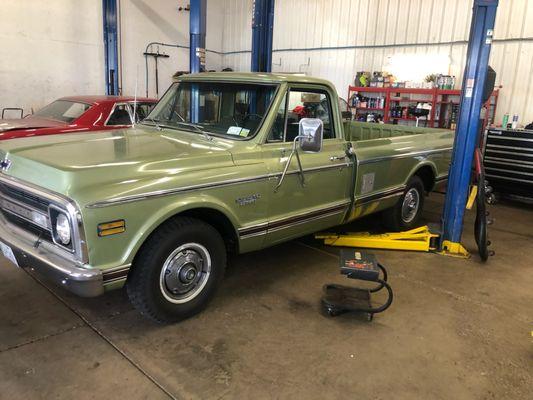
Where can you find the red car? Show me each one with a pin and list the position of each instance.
(78, 114)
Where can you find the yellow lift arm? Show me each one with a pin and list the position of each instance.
(418, 239)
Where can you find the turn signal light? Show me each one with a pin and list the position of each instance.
(111, 228)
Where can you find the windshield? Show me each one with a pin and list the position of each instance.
(233, 110)
(63, 110)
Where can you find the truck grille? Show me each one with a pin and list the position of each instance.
(25, 211)
(24, 197)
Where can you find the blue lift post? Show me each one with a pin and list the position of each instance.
(197, 29)
(262, 34)
(466, 139)
(109, 8)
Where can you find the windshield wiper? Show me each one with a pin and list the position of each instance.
(158, 127)
(197, 127)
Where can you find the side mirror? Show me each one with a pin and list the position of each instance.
(311, 132)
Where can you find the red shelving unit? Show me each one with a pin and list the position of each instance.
(441, 99)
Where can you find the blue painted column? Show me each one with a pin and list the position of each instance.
(262, 35)
(109, 8)
(197, 29)
(467, 138)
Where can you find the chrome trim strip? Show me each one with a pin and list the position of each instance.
(365, 202)
(508, 178)
(116, 273)
(251, 235)
(311, 219)
(114, 269)
(441, 178)
(211, 185)
(405, 155)
(294, 220)
(69, 206)
(114, 280)
(169, 192)
(380, 193)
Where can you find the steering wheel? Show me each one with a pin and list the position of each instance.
(249, 116)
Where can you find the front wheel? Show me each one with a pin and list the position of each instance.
(177, 270)
(406, 213)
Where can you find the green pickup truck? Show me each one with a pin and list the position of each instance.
(226, 162)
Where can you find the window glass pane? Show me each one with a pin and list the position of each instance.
(120, 116)
(142, 111)
(232, 109)
(63, 110)
(308, 105)
(276, 133)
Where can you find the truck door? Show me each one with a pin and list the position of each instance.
(295, 209)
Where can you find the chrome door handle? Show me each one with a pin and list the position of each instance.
(337, 158)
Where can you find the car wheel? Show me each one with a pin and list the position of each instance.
(406, 212)
(177, 270)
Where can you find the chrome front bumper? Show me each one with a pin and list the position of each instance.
(70, 274)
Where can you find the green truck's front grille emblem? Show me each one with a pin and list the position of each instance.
(243, 201)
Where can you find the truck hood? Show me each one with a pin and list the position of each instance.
(30, 122)
(96, 166)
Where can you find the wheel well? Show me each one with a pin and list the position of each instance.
(218, 221)
(428, 177)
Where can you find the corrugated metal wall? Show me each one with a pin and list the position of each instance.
(335, 38)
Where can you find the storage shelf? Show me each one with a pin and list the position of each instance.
(410, 119)
(411, 100)
(369, 108)
(438, 97)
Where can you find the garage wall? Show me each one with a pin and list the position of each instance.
(55, 48)
(145, 21)
(49, 49)
(335, 38)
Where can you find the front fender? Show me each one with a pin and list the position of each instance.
(141, 219)
(171, 210)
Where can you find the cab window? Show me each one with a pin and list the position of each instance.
(302, 104)
(120, 115)
(142, 110)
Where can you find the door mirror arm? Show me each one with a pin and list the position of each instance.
(310, 135)
(289, 159)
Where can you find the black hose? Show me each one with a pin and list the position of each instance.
(385, 276)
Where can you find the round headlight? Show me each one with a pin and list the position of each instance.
(63, 229)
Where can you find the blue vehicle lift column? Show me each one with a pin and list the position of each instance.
(262, 34)
(466, 139)
(197, 28)
(109, 8)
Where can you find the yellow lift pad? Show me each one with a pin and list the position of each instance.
(418, 239)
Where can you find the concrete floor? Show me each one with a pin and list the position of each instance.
(457, 329)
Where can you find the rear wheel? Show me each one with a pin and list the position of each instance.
(177, 270)
(406, 213)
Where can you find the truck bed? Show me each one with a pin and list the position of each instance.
(356, 131)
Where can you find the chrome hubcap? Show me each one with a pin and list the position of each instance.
(185, 273)
(410, 205)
